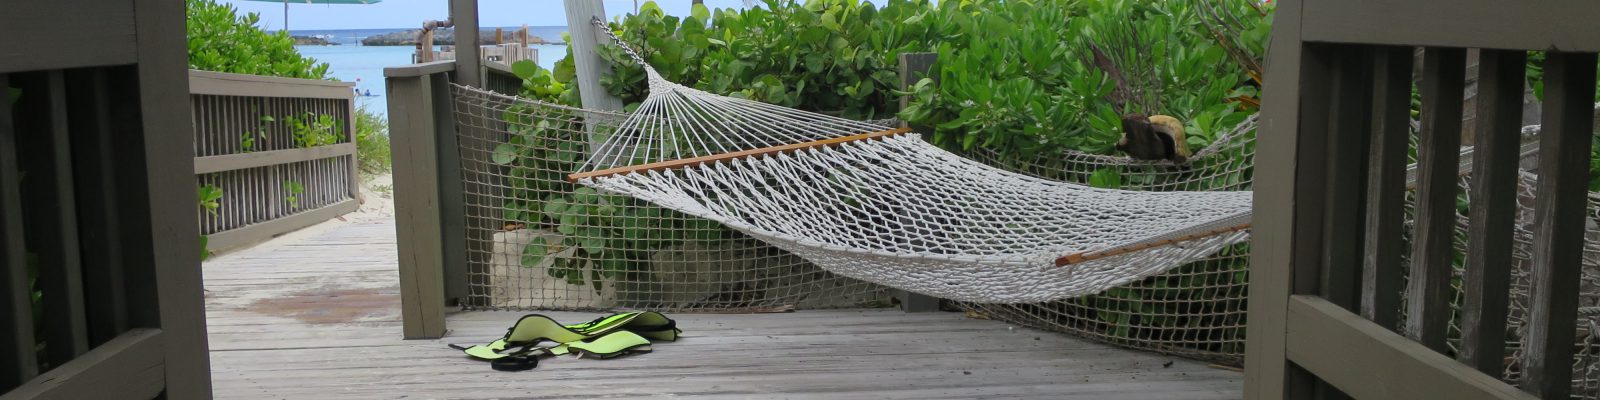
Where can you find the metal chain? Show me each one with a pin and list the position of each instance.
(618, 41)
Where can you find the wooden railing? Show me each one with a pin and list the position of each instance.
(281, 151)
(97, 202)
(1334, 312)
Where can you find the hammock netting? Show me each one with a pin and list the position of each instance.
(1162, 262)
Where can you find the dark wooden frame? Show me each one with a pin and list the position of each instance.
(106, 88)
(1332, 158)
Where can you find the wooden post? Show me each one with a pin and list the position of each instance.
(499, 36)
(913, 67)
(163, 253)
(464, 16)
(585, 41)
(425, 47)
(1267, 369)
(523, 36)
(419, 224)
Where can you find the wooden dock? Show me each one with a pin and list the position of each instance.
(316, 315)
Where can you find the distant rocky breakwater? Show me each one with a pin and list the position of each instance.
(312, 41)
(443, 37)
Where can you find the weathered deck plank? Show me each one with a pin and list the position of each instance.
(317, 315)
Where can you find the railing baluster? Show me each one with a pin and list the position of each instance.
(89, 107)
(50, 213)
(1381, 278)
(1438, 156)
(17, 360)
(1559, 209)
(1486, 284)
(1349, 135)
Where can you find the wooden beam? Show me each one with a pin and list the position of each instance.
(1486, 283)
(230, 162)
(586, 39)
(1267, 369)
(1381, 277)
(233, 238)
(464, 16)
(702, 160)
(1438, 156)
(414, 70)
(451, 195)
(131, 366)
(171, 244)
(1565, 25)
(1560, 212)
(1371, 362)
(1076, 258)
(65, 34)
(417, 224)
(223, 84)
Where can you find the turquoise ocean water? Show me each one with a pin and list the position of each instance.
(351, 62)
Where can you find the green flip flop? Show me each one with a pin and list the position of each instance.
(533, 329)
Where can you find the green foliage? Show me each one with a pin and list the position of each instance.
(1008, 81)
(837, 56)
(209, 197)
(1022, 90)
(1161, 307)
(604, 235)
(295, 190)
(312, 130)
(221, 40)
(1106, 179)
(372, 142)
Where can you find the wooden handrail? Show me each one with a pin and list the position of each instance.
(1095, 255)
(680, 163)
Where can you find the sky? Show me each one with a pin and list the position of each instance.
(411, 13)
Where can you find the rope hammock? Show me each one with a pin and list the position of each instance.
(887, 207)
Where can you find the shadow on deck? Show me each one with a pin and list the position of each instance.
(316, 314)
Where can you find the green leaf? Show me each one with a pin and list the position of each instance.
(594, 245)
(1106, 179)
(700, 12)
(555, 209)
(525, 69)
(534, 252)
(205, 251)
(504, 154)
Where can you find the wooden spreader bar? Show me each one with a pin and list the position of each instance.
(1095, 255)
(695, 161)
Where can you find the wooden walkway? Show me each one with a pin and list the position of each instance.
(316, 315)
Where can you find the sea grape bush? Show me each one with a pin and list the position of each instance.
(221, 40)
(1013, 78)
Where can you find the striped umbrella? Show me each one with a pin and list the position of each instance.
(286, 6)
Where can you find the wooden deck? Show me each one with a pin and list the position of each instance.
(316, 315)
